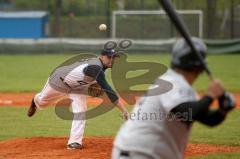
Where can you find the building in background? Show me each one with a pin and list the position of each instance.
(27, 24)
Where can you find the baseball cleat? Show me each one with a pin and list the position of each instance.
(32, 109)
(74, 146)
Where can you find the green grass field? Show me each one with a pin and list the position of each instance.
(27, 73)
(216, 156)
(15, 124)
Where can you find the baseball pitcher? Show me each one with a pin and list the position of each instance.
(75, 81)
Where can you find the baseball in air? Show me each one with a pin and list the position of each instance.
(102, 27)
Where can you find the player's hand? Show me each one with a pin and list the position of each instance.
(215, 89)
(125, 115)
(227, 102)
(123, 109)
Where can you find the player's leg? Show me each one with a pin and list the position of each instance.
(79, 104)
(48, 96)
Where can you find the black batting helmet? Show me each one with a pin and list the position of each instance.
(184, 58)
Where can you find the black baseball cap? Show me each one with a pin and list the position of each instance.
(109, 52)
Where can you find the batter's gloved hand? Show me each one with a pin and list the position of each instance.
(227, 102)
(95, 90)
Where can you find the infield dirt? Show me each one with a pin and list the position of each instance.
(24, 99)
(94, 148)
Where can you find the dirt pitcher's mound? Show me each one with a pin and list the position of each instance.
(55, 148)
(24, 99)
(94, 148)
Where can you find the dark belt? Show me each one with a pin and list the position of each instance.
(64, 82)
(124, 153)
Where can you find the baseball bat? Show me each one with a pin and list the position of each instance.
(183, 30)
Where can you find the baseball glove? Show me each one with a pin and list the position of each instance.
(95, 90)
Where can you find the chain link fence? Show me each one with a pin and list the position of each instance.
(80, 18)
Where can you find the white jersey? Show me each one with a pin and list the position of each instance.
(149, 131)
(72, 77)
(77, 78)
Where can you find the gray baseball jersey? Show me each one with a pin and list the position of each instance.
(151, 129)
(78, 76)
(66, 78)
